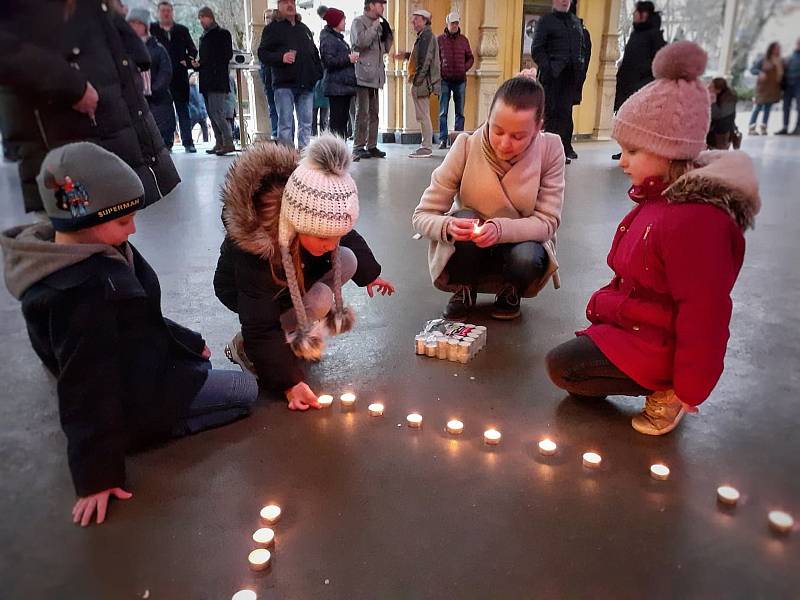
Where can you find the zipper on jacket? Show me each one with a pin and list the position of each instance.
(647, 231)
(160, 194)
(41, 128)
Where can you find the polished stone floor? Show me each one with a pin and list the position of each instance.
(373, 510)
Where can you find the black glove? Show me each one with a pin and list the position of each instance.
(386, 30)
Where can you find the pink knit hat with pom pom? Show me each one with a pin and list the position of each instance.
(670, 116)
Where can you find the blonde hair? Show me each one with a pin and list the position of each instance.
(677, 169)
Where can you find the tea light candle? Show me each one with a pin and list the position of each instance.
(780, 522)
(660, 472)
(455, 427)
(592, 460)
(728, 495)
(245, 595)
(264, 537)
(492, 437)
(271, 513)
(348, 399)
(325, 400)
(259, 559)
(375, 409)
(414, 420)
(547, 447)
(476, 229)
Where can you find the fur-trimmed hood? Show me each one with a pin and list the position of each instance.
(725, 179)
(261, 168)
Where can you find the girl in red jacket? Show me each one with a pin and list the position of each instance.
(660, 328)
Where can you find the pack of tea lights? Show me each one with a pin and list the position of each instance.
(450, 340)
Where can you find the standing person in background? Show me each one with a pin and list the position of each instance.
(791, 90)
(372, 38)
(558, 50)
(457, 59)
(722, 131)
(266, 79)
(287, 46)
(216, 51)
(157, 80)
(197, 108)
(587, 56)
(636, 68)
(424, 73)
(182, 51)
(769, 70)
(338, 60)
(322, 107)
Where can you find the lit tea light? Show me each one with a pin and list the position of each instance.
(324, 401)
(376, 409)
(259, 559)
(592, 460)
(245, 595)
(547, 447)
(780, 522)
(264, 537)
(455, 427)
(728, 495)
(492, 437)
(476, 229)
(660, 472)
(271, 513)
(414, 420)
(348, 399)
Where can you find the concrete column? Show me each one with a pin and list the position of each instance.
(489, 70)
(726, 51)
(259, 127)
(607, 73)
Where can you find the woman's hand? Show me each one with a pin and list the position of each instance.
(85, 506)
(301, 397)
(488, 235)
(384, 287)
(461, 230)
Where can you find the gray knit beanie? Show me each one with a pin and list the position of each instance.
(83, 185)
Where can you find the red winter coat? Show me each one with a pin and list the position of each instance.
(663, 320)
(456, 56)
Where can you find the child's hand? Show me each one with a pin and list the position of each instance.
(301, 396)
(461, 229)
(84, 508)
(384, 287)
(488, 235)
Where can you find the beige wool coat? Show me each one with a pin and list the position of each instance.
(525, 204)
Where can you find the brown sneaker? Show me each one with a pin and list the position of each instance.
(235, 353)
(662, 413)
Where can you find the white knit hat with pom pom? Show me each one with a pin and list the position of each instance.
(320, 199)
(670, 116)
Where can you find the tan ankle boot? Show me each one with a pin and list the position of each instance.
(662, 413)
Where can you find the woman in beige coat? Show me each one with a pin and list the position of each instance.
(768, 86)
(493, 206)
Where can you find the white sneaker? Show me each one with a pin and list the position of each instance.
(235, 353)
(421, 153)
(662, 413)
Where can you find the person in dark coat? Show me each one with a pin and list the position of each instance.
(266, 79)
(338, 60)
(197, 107)
(723, 131)
(636, 67)
(587, 57)
(216, 52)
(558, 49)
(127, 376)
(287, 46)
(178, 42)
(69, 71)
(456, 57)
(157, 79)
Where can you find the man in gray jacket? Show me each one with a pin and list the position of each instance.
(371, 37)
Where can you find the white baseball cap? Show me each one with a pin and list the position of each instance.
(453, 17)
(422, 13)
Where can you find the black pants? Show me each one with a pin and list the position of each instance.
(340, 114)
(559, 95)
(579, 367)
(519, 264)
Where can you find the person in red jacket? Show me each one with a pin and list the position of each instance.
(457, 59)
(660, 328)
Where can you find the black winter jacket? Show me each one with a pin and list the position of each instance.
(126, 374)
(558, 44)
(160, 100)
(46, 58)
(216, 51)
(181, 49)
(636, 68)
(340, 73)
(279, 37)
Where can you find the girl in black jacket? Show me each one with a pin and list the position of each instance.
(288, 249)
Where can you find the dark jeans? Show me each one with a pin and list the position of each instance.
(270, 93)
(457, 90)
(185, 124)
(757, 109)
(559, 94)
(792, 92)
(226, 396)
(518, 264)
(579, 367)
(340, 114)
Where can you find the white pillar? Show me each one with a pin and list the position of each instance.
(259, 127)
(488, 71)
(726, 50)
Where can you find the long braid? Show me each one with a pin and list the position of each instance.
(294, 288)
(341, 318)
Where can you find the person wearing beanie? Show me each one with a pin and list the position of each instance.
(126, 376)
(659, 329)
(339, 82)
(289, 247)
